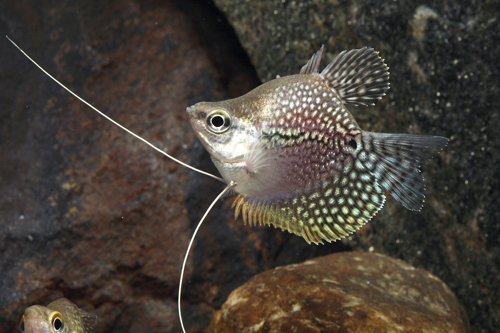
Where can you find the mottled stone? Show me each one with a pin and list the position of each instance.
(445, 80)
(343, 292)
(87, 211)
(91, 214)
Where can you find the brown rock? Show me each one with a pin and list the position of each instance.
(343, 292)
(88, 212)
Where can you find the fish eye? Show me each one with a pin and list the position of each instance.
(57, 323)
(21, 324)
(218, 121)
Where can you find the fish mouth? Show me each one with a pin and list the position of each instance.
(194, 113)
(190, 111)
(234, 162)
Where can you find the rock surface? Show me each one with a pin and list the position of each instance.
(445, 80)
(342, 292)
(88, 212)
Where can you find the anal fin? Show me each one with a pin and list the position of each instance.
(334, 209)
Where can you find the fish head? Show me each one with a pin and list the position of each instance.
(226, 131)
(39, 319)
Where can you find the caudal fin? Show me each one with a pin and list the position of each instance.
(394, 159)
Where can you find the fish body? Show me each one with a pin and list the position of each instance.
(299, 159)
(282, 149)
(61, 316)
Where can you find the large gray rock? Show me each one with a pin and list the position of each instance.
(443, 59)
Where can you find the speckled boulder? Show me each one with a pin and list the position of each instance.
(343, 292)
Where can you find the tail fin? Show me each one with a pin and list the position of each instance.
(394, 159)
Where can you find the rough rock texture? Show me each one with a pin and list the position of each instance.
(92, 214)
(87, 211)
(443, 59)
(343, 292)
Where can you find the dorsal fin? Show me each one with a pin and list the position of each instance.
(312, 66)
(359, 76)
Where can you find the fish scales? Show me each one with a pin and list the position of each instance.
(298, 157)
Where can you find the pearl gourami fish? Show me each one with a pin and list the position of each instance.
(295, 155)
(61, 316)
(298, 158)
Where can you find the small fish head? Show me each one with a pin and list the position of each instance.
(223, 130)
(39, 319)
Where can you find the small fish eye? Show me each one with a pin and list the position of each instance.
(57, 323)
(21, 325)
(218, 121)
(353, 144)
